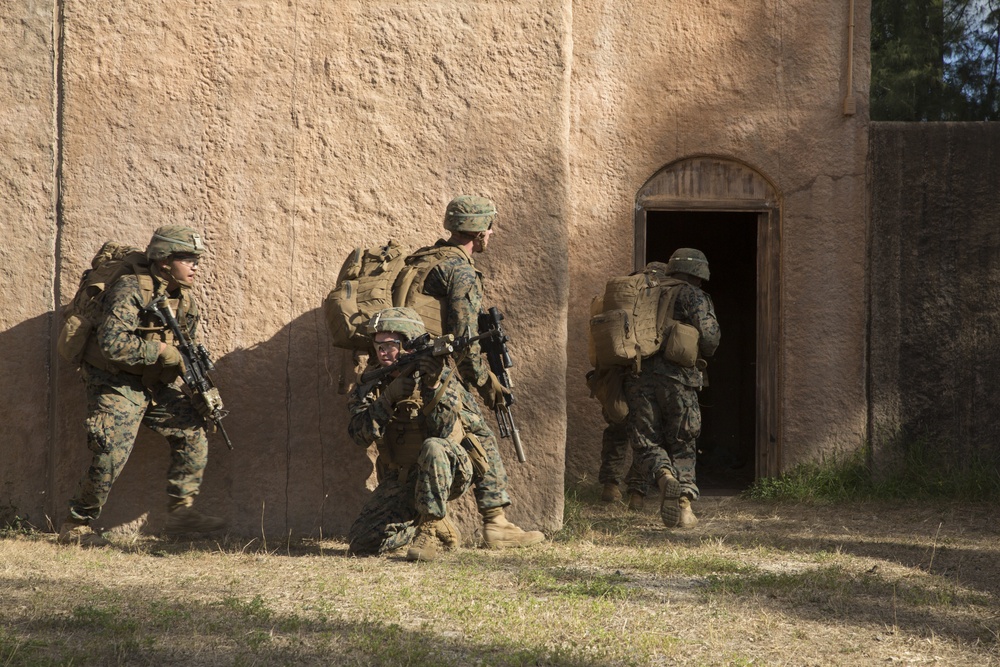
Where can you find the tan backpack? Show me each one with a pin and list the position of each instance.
(409, 288)
(635, 320)
(364, 287)
(83, 313)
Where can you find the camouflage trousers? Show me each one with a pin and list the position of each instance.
(388, 520)
(112, 425)
(490, 488)
(664, 422)
(614, 449)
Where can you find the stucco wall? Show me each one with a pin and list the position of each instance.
(935, 289)
(290, 133)
(762, 83)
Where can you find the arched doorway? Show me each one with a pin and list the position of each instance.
(732, 213)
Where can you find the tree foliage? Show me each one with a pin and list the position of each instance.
(935, 60)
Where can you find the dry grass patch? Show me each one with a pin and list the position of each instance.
(754, 584)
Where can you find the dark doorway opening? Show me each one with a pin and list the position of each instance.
(727, 446)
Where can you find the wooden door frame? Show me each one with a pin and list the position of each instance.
(719, 184)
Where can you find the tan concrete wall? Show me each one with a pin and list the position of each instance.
(27, 252)
(289, 133)
(761, 83)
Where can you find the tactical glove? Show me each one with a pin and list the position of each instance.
(400, 388)
(171, 356)
(430, 368)
(492, 391)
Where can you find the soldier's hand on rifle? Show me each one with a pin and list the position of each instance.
(492, 391)
(430, 368)
(170, 356)
(400, 388)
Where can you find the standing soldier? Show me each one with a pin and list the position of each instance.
(427, 439)
(442, 284)
(130, 368)
(664, 419)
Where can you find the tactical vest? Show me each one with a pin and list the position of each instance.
(404, 435)
(409, 287)
(150, 328)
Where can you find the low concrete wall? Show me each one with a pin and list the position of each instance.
(935, 289)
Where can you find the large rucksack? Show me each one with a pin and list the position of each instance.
(83, 313)
(636, 319)
(364, 287)
(409, 288)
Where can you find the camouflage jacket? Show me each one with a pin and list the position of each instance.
(693, 306)
(129, 338)
(460, 284)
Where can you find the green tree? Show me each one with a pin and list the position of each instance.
(935, 60)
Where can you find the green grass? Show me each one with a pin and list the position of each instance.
(923, 472)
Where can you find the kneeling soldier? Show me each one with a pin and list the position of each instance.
(431, 446)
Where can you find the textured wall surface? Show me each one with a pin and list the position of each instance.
(27, 253)
(935, 287)
(762, 83)
(291, 132)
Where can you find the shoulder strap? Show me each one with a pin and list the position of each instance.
(671, 288)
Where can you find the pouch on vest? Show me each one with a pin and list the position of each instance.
(607, 385)
(82, 314)
(681, 346)
(364, 287)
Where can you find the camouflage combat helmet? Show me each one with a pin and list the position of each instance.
(174, 239)
(690, 261)
(403, 321)
(658, 268)
(469, 214)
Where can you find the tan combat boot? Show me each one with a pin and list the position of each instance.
(449, 534)
(670, 494)
(687, 519)
(500, 533)
(611, 493)
(424, 544)
(73, 532)
(186, 519)
(636, 501)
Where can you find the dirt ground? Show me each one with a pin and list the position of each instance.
(755, 583)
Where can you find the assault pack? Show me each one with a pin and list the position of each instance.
(83, 313)
(377, 278)
(634, 319)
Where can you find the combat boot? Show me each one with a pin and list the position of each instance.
(73, 532)
(687, 518)
(500, 533)
(449, 534)
(611, 493)
(424, 544)
(670, 494)
(636, 501)
(186, 519)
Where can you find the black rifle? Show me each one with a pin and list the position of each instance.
(420, 347)
(197, 366)
(498, 356)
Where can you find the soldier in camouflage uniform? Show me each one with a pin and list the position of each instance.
(130, 369)
(430, 445)
(664, 419)
(446, 290)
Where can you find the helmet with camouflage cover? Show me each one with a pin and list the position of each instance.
(469, 214)
(690, 261)
(404, 321)
(174, 240)
(659, 269)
